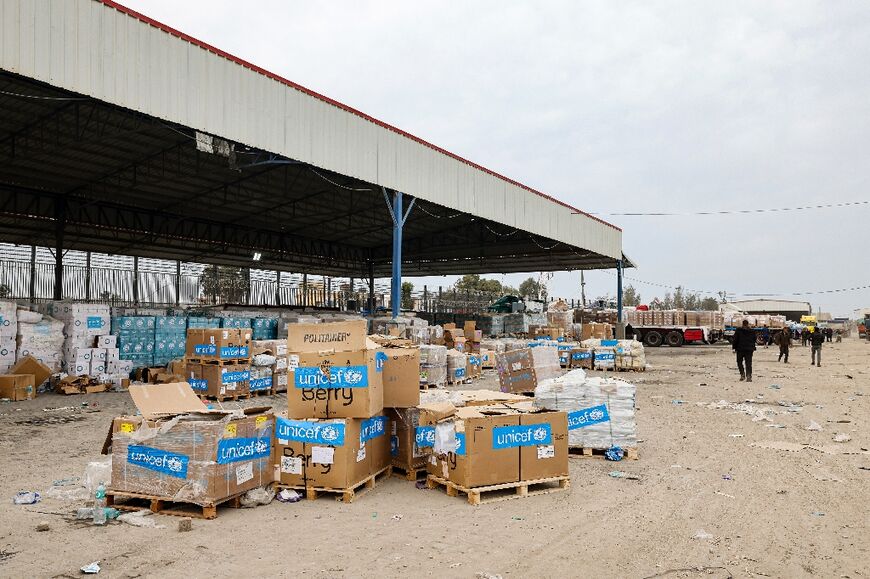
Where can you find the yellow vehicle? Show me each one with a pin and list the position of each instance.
(809, 322)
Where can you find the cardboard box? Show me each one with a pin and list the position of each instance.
(346, 336)
(17, 386)
(474, 369)
(409, 446)
(97, 367)
(202, 457)
(401, 377)
(582, 358)
(108, 341)
(30, 365)
(226, 380)
(518, 381)
(336, 385)
(336, 453)
(475, 459)
(514, 360)
(218, 344)
(545, 457)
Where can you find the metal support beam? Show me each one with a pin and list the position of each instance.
(136, 280)
(371, 287)
(88, 276)
(620, 325)
(59, 226)
(304, 290)
(177, 282)
(277, 288)
(399, 216)
(32, 273)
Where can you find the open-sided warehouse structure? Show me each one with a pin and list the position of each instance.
(122, 135)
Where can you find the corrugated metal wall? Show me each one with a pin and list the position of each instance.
(94, 49)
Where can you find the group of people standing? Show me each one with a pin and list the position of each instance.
(745, 340)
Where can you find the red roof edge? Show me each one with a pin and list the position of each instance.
(290, 83)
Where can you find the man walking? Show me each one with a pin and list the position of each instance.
(817, 338)
(805, 334)
(765, 335)
(743, 344)
(829, 335)
(784, 340)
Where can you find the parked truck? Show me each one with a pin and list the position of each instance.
(672, 335)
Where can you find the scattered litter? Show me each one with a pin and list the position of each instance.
(672, 466)
(815, 426)
(289, 496)
(455, 565)
(397, 517)
(727, 477)
(817, 514)
(849, 377)
(776, 425)
(26, 498)
(736, 435)
(421, 484)
(677, 401)
(702, 535)
(256, 497)
(842, 437)
(42, 527)
(138, 519)
(65, 482)
(725, 495)
(185, 524)
(518, 518)
(91, 569)
(702, 384)
(620, 474)
(484, 575)
(614, 453)
(775, 386)
(864, 468)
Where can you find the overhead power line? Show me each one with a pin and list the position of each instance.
(738, 211)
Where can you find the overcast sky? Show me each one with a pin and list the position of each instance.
(614, 107)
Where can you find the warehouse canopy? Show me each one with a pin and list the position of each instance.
(122, 135)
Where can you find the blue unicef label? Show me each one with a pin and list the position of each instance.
(95, 322)
(459, 372)
(158, 460)
(525, 435)
(238, 449)
(234, 352)
(560, 339)
(372, 428)
(564, 347)
(380, 360)
(394, 446)
(205, 349)
(609, 343)
(460, 444)
(230, 377)
(327, 433)
(604, 357)
(198, 383)
(261, 383)
(424, 436)
(587, 416)
(339, 377)
(474, 360)
(581, 355)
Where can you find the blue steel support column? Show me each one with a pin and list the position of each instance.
(619, 291)
(396, 287)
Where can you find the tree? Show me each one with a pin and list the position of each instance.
(630, 296)
(533, 289)
(668, 302)
(710, 304)
(5, 291)
(407, 298)
(224, 284)
(473, 283)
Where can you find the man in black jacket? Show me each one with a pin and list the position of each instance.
(817, 338)
(743, 344)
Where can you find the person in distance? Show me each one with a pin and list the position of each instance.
(744, 345)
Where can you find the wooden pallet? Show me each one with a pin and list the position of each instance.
(631, 369)
(411, 474)
(466, 380)
(221, 362)
(226, 397)
(264, 392)
(347, 495)
(585, 452)
(124, 501)
(494, 493)
(431, 386)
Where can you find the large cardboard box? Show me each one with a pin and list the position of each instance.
(17, 386)
(514, 360)
(538, 457)
(336, 385)
(218, 344)
(582, 358)
(224, 380)
(474, 459)
(30, 365)
(408, 446)
(401, 377)
(336, 453)
(518, 381)
(180, 450)
(337, 336)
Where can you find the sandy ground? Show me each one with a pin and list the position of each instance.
(777, 513)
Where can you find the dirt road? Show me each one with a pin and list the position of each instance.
(719, 493)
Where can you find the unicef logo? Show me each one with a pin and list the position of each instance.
(261, 446)
(429, 436)
(540, 433)
(596, 415)
(353, 376)
(329, 433)
(174, 464)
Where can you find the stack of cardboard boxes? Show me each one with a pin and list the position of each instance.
(82, 324)
(41, 338)
(219, 361)
(8, 329)
(170, 335)
(433, 366)
(278, 370)
(516, 371)
(176, 449)
(335, 435)
(135, 339)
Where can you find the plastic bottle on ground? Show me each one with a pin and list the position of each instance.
(100, 505)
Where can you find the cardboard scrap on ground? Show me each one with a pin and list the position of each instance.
(797, 447)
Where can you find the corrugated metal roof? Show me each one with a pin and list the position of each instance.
(105, 50)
